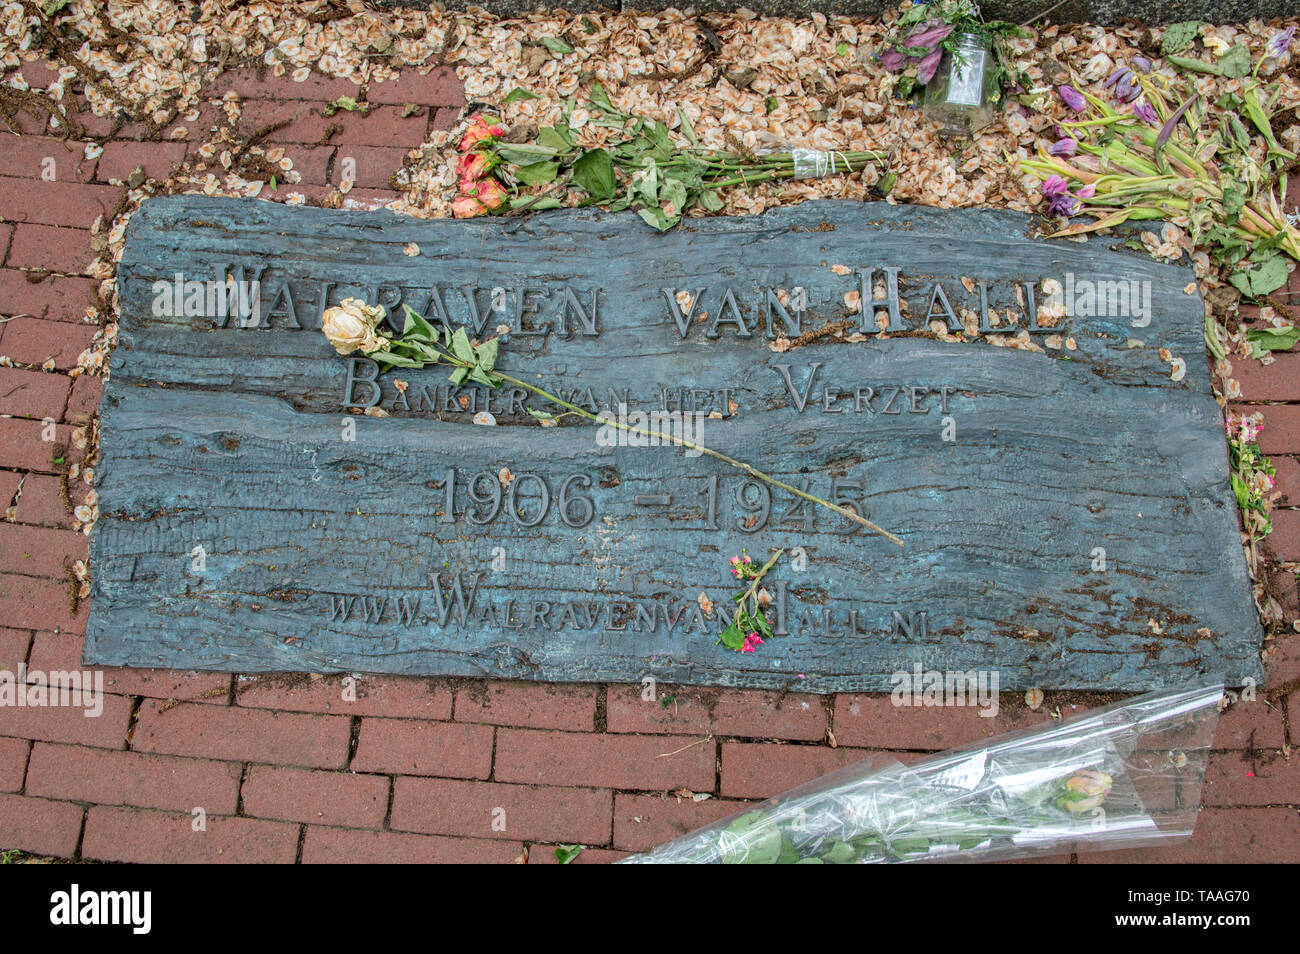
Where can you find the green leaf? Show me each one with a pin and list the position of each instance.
(416, 326)
(486, 354)
(675, 192)
(459, 375)
(1236, 62)
(344, 102)
(1179, 36)
(600, 99)
(1266, 276)
(1195, 65)
(594, 171)
(709, 200)
(556, 138)
(732, 637)
(655, 218)
(460, 345)
(556, 45)
(518, 95)
(688, 130)
(540, 415)
(1273, 339)
(841, 49)
(566, 853)
(524, 153)
(537, 173)
(394, 360)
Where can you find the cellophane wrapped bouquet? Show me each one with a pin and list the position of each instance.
(1124, 776)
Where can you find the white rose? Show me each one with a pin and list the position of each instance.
(350, 326)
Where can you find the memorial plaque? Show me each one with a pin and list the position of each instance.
(1059, 478)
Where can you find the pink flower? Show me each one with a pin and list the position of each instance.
(479, 130)
(929, 63)
(489, 193)
(466, 207)
(1065, 146)
(472, 166)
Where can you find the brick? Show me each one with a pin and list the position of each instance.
(48, 249)
(1250, 725)
(13, 764)
(22, 446)
(873, 721)
(53, 297)
(310, 162)
(1222, 836)
(382, 126)
(319, 798)
(53, 652)
(42, 503)
(84, 399)
(761, 770)
(1281, 433)
(250, 85)
(327, 846)
(545, 855)
(522, 812)
(244, 735)
(105, 777)
(413, 747)
(439, 87)
(373, 166)
(1284, 542)
(40, 551)
(33, 394)
(446, 118)
(1251, 778)
(642, 822)
(395, 696)
(531, 705)
(157, 159)
(139, 835)
(212, 688)
(9, 484)
(31, 602)
(14, 644)
(1283, 666)
(1287, 480)
(70, 724)
(605, 761)
(1279, 381)
(34, 341)
(56, 203)
(28, 157)
(37, 73)
(39, 826)
(760, 715)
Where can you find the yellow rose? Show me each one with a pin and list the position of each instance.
(350, 326)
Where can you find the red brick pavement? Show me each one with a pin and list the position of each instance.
(284, 769)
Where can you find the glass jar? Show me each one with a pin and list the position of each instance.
(959, 95)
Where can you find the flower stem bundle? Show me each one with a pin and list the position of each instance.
(641, 167)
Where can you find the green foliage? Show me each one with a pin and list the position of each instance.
(1179, 36)
(566, 854)
(1264, 340)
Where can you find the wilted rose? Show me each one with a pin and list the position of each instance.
(1093, 785)
(350, 326)
(467, 207)
(472, 166)
(489, 193)
(479, 130)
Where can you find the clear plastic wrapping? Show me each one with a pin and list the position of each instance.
(1123, 776)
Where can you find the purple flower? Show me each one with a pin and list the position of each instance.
(1065, 146)
(1280, 41)
(1143, 111)
(1114, 77)
(893, 60)
(1072, 98)
(1127, 89)
(1142, 63)
(1057, 193)
(1087, 192)
(928, 34)
(929, 63)
(1054, 186)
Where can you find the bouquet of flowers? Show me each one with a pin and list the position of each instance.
(1159, 151)
(639, 167)
(1123, 776)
